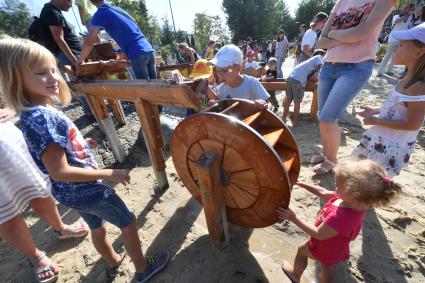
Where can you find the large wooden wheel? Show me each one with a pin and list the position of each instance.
(259, 158)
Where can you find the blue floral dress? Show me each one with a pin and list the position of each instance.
(389, 147)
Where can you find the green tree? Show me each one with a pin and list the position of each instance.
(260, 19)
(167, 33)
(15, 18)
(203, 27)
(138, 11)
(208, 28)
(307, 9)
(288, 23)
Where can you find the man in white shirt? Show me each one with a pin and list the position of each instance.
(309, 40)
(399, 22)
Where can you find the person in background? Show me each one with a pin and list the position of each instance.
(351, 39)
(247, 45)
(419, 17)
(303, 29)
(86, 10)
(396, 126)
(124, 30)
(250, 63)
(296, 82)
(189, 52)
(399, 22)
(271, 75)
(309, 41)
(282, 46)
(228, 64)
(209, 52)
(61, 39)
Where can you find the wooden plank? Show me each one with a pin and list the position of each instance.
(230, 108)
(195, 151)
(252, 72)
(157, 123)
(119, 115)
(314, 106)
(212, 194)
(287, 155)
(233, 162)
(214, 146)
(145, 115)
(154, 91)
(271, 135)
(250, 119)
(246, 180)
(243, 198)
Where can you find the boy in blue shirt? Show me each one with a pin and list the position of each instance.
(296, 81)
(124, 30)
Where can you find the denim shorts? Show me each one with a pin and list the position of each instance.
(294, 90)
(112, 209)
(339, 83)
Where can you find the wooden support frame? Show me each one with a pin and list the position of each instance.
(280, 85)
(146, 95)
(212, 194)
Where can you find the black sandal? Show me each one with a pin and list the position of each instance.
(112, 272)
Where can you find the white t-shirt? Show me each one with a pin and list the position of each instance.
(309, 38)
(305, 69)
(250, 89)
(251, 65)
(403, 25)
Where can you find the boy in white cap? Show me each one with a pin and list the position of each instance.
(228, 63)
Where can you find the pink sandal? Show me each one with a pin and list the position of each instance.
(321, 168)
(317, 158)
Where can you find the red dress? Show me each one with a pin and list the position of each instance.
(347, 222)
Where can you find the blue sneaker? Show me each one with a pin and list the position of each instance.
(155, 264)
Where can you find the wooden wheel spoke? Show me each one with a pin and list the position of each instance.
(251, 191)
(243, 199)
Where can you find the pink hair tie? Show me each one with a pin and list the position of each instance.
(388, 180)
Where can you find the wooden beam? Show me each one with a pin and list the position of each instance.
(147, 121)
(154, 91)
(212, 194)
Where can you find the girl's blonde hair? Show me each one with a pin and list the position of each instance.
(419, 69)
(367, 182)
(18, 55)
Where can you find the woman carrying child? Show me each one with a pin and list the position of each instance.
(351, 37)
(32, 84)
(359, 186)
(391, 140)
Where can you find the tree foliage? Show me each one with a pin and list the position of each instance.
(167, 36)
(15, 18)
(260, 19)
(148, 24)
(307, 9)
(208, 28)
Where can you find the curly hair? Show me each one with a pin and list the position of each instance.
(367, 182)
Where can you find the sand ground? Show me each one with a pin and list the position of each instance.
(390, 247)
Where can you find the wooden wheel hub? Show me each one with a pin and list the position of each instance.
(258, 157)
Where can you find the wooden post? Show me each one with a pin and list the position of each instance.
(314, 105)
(212, 193)
(149, 120)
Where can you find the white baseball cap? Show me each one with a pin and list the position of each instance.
(415, 33)
(228, 55)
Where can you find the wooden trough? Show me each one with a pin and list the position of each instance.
(238, 161)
